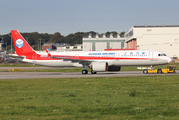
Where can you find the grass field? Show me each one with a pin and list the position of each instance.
(18, 65)
(148, 97)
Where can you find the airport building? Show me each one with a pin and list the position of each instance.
(102, 42)
(162, 38)
(77, 47)
(62, 47)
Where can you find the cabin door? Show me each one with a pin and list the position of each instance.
(77, 56)
(150, 55)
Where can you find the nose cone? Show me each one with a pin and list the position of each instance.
(169, 60)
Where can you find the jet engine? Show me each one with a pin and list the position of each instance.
(99, 66)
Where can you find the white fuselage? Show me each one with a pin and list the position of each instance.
(113, 58)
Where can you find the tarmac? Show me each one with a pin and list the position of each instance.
(34, 75)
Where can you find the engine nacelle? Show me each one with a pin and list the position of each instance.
(114, 68)
(99, 66)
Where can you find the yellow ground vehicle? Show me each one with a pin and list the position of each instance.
(169, 69)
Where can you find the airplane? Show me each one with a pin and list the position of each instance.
(98, 61)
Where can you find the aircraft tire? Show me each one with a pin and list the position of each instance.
(84, 72)
(92, 72)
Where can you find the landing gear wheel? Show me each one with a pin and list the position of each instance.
(159, 71)
(145, 71)
(84, 72)
(92, 72)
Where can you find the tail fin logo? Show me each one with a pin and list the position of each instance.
(19, 43)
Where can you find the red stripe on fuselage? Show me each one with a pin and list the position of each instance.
(36, 56)
(99, 58)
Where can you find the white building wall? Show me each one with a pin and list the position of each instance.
(87, 46)
(165, 39)
(78, 47)
(99, 43)
(71, 47)
(100, 46)
(115, 45)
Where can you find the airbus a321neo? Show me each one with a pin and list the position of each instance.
(98, 61)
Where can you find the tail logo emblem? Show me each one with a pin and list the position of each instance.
(19, 43)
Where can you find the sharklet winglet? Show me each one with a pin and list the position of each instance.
(49, 55)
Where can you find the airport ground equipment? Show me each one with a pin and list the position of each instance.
(169, 69)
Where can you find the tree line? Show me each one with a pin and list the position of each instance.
(34, 38)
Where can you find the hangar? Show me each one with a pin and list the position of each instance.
(101, 42)
(163, 38)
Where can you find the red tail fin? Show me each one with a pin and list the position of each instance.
(20, 44)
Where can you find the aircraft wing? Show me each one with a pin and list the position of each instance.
(72, 60)
(68, 59)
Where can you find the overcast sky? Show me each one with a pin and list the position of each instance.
(70, 16)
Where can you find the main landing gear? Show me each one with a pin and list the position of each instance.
(86, 72)
(92, 72)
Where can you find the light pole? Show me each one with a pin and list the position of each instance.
(2, 42)
(40, 43)
(6, 47)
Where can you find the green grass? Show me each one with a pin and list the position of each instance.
(18, 65)
(147, 97)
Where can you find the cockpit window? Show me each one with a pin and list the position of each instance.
(162, 55)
